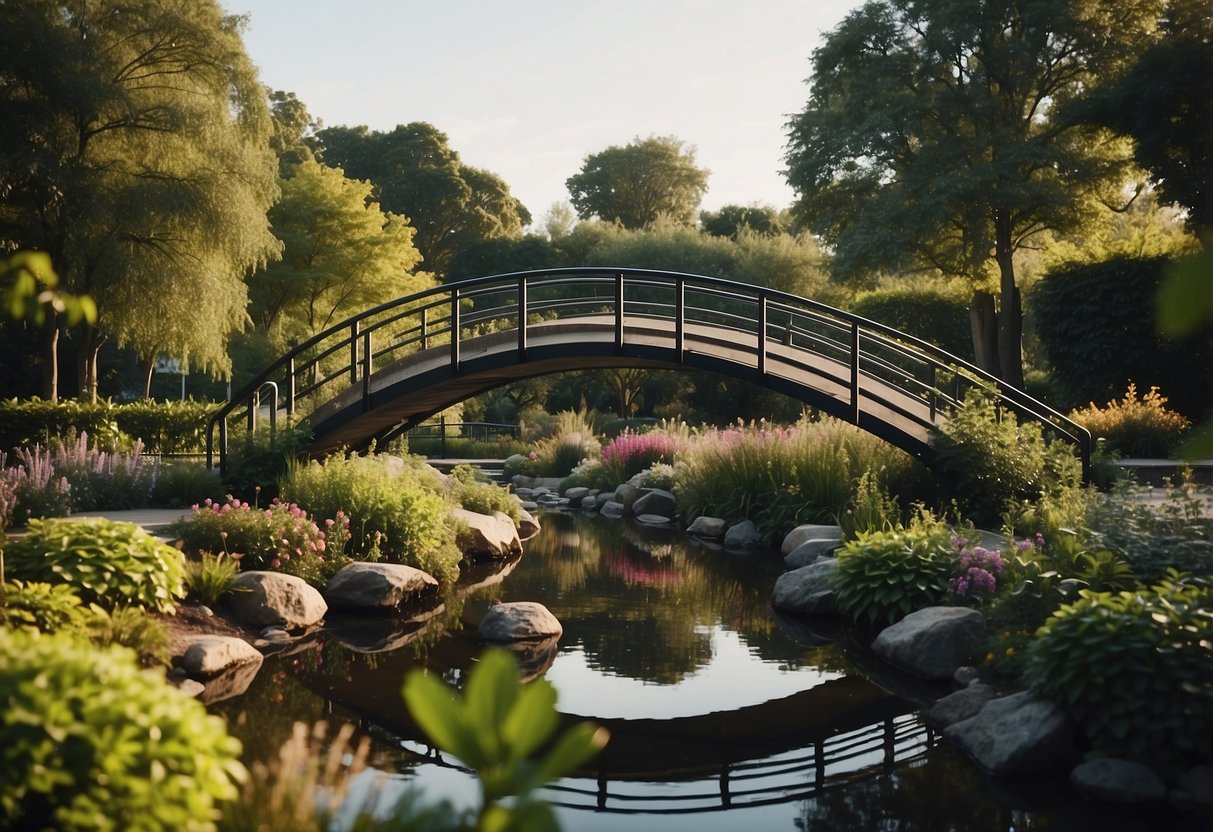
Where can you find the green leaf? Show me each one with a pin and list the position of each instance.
(443, 718)
(575, 746)
(531, 721)
(492, 689)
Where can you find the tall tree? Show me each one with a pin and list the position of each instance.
(638, 183)
(731, 220)
(134, 150)
(341, 254)
(931, 139)
(416, 174)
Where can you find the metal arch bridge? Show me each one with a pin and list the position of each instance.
(384, 370)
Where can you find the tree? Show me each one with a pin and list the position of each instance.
(341, 254)
(134, 151)
(931, 140)
(638, 183)
(732, 220)
(1164, 102)
(293, 127)
(416, 174)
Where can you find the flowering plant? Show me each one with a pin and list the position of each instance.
(976, 572)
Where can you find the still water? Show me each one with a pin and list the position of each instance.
(721, 716)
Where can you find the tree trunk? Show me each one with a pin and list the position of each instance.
(147, 366)
(983, 320)
(50, 357)
(90, 345)
(1010, 317)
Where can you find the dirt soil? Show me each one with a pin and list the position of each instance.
(194, 620)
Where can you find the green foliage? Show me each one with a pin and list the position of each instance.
(1098, 326)
(986, 460)
(474, 494)
(164, 427)
(210, 578)
(935, 313)
(48, 608)
(88, 741)
(496, 727)
(1135, 427)
(112, 564)
(571, 441)
(733, 221)
(256, 462)
(99, 479)
(396, 514)
(638, 183)
(28, 291)
(1134, 669)
(883, 576)
(870, 508)
(133, 628)
(183, 483)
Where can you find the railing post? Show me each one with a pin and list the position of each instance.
(819, 764)
(933, 396)
(354, 352)
(254, 403)
(290, 387)
(442, 436)
(762, 333)
(890, 744)
(425, 336)
(855, 372)
(273, 411)
(679, 318)
(223, 447)
(522, 316)
(455, 332)
(619, 313)
(367, 367)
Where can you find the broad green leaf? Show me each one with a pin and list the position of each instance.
(531, 721)
(491, 691)
(443, 718)
(575, 746)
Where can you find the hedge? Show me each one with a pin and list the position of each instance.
(164, 427)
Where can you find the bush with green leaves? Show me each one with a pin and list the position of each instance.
(883, 576)
(47, 608)
(165, 427)
(936, 313)
(870, 508)
(112, 564)
(986, 461)
(135, 629)
(210, 578)
(256, 461)
(395, 512)
(1134, 669)
(466, 488)
(89, 741)
(182, 483)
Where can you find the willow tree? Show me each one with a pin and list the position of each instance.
(934, 139)
(134, 150)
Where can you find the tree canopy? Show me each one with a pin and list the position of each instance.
(932, 140)
(732, 220)
(416, 174)
(134, 151)
(639, 183)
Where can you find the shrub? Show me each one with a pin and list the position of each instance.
(473, 494)
(164, 427)
(34, 605)
(628, 454)
(210, 578)
(1135, 427)
(884, 576)
(1134, 669)
(986, 461)
(870, 509)
(100, 479)
(937, 315)
(135, 629)
(113, 564)
(658, 476)
(88, 741)
(280, 537)
(391, 513)
(256, 462)
(181, 484)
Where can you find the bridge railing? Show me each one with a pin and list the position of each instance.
(433, 326)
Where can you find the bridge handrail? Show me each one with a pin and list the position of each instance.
(448, 295)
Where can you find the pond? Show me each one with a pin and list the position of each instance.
(721, 716)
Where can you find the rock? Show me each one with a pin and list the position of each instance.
(1121, 781)
(612, 510)
(965, 675)
(528, 526)
(589, 503)
(523, 493)
(230, 683)
(604, 498)
(961, 705)
(264, 598)
(707, 527)
(653, 520)
(656, 501)
(809, 551)
(519, 620)
(377, 586)
(808, 531)
(1198, 783)
(1017, 734)
(493, 536)
(807, 591)
(189, 687)
(743, 535)
(534, 656)
(529, 505)
(208, 656)
(576, 494)
(627, 494)
(932, 642)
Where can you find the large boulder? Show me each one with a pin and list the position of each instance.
(961, 705)
(519, 620)
(528, 525)
(743, 535)
(210, 655)
(932, 642)
(656, 501)
(265, 598)
(1017, 734)
(377, 586)
(809, 551)
(612, 510)
(627, 494)
(707, 527)
(807, 591)
(1121, 781)
(576, 493)
(808, 531)
(493, 536)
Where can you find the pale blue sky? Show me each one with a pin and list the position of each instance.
(527, 88)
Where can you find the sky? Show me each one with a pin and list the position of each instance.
(528, 88)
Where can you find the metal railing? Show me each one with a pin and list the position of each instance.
(865, 363)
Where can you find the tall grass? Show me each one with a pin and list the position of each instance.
(779, 477)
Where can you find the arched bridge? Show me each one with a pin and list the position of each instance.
(378, 373)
